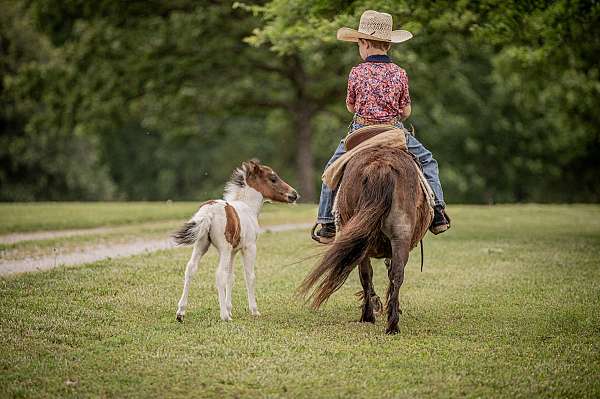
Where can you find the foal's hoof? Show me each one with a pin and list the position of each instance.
(255, 313)
(180, 318)
(226, 317)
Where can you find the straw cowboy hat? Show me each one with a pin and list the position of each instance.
(374, 26)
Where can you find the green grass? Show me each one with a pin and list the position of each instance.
(507, 306)
(115, 235)
(22, 217)
(272, 214)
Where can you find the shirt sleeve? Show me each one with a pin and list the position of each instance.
(351, 96)
(405, 95)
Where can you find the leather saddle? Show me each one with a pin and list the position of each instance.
(365, 133)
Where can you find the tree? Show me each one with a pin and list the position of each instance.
(172, 87)
(484, 103)
(40, 159)
(155, 100)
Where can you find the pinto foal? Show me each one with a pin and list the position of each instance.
(231, 225)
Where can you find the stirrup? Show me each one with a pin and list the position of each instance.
(442, 227)
(320, 240)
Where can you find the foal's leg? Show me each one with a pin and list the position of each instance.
(249, 259)
(365, 271)
(400, 249)
(200, 249)
(225, 256)
(229, 287)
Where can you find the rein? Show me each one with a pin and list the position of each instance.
(421, 242)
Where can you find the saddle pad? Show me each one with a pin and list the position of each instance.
(365, 133)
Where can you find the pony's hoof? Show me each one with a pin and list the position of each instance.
(367, 319)
(255, 313)
(180, 318)
(392, 330)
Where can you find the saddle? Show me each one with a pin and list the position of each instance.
(365, 133)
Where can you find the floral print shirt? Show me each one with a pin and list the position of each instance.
(378, 89)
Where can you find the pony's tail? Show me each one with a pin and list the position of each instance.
(189, 233)
(353, 241)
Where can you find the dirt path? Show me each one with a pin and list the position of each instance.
(51, 234)
(95, 253)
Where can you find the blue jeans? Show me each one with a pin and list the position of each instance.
(429, 165)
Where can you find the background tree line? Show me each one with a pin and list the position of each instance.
(150, 100)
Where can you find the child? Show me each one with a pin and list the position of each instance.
(378, 94)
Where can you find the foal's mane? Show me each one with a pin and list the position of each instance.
(236, 183)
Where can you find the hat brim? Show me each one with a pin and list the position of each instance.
(352, 35)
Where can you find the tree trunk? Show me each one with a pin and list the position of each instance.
(304, 157)
(303, 110)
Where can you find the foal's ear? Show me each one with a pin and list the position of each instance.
(252, 166)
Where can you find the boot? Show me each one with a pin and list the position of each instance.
(441, 220)
(326, 233)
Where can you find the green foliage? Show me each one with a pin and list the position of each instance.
(483, 101)
(156, 100)
(40, 157)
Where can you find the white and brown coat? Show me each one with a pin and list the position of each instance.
(231, 225)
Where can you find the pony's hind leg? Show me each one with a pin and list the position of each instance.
(222, 278)
(365, 272)
(200, 248)
(400, 251)
(375, 300)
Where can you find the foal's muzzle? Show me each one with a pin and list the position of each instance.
(293, 196)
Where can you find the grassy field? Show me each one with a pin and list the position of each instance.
(507, 306)
(144, 225)
(21, 217)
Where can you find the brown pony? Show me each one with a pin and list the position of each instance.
(381, 212)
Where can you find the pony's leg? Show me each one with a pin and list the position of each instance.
(199, 250)
(229, 287)
(225, 256)
(365, 272)
(400, 249)
(375, 300)
(249, 259)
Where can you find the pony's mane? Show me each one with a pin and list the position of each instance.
(235, 184)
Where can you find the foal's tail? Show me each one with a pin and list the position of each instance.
(353, 241)
(191, 231)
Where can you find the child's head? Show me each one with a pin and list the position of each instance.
(374, 34)
(368, 47)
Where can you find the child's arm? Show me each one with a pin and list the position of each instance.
(405, 112)
(351, 94)
(350, 108)
(405, 108)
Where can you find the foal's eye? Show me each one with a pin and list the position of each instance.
(273, 179)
